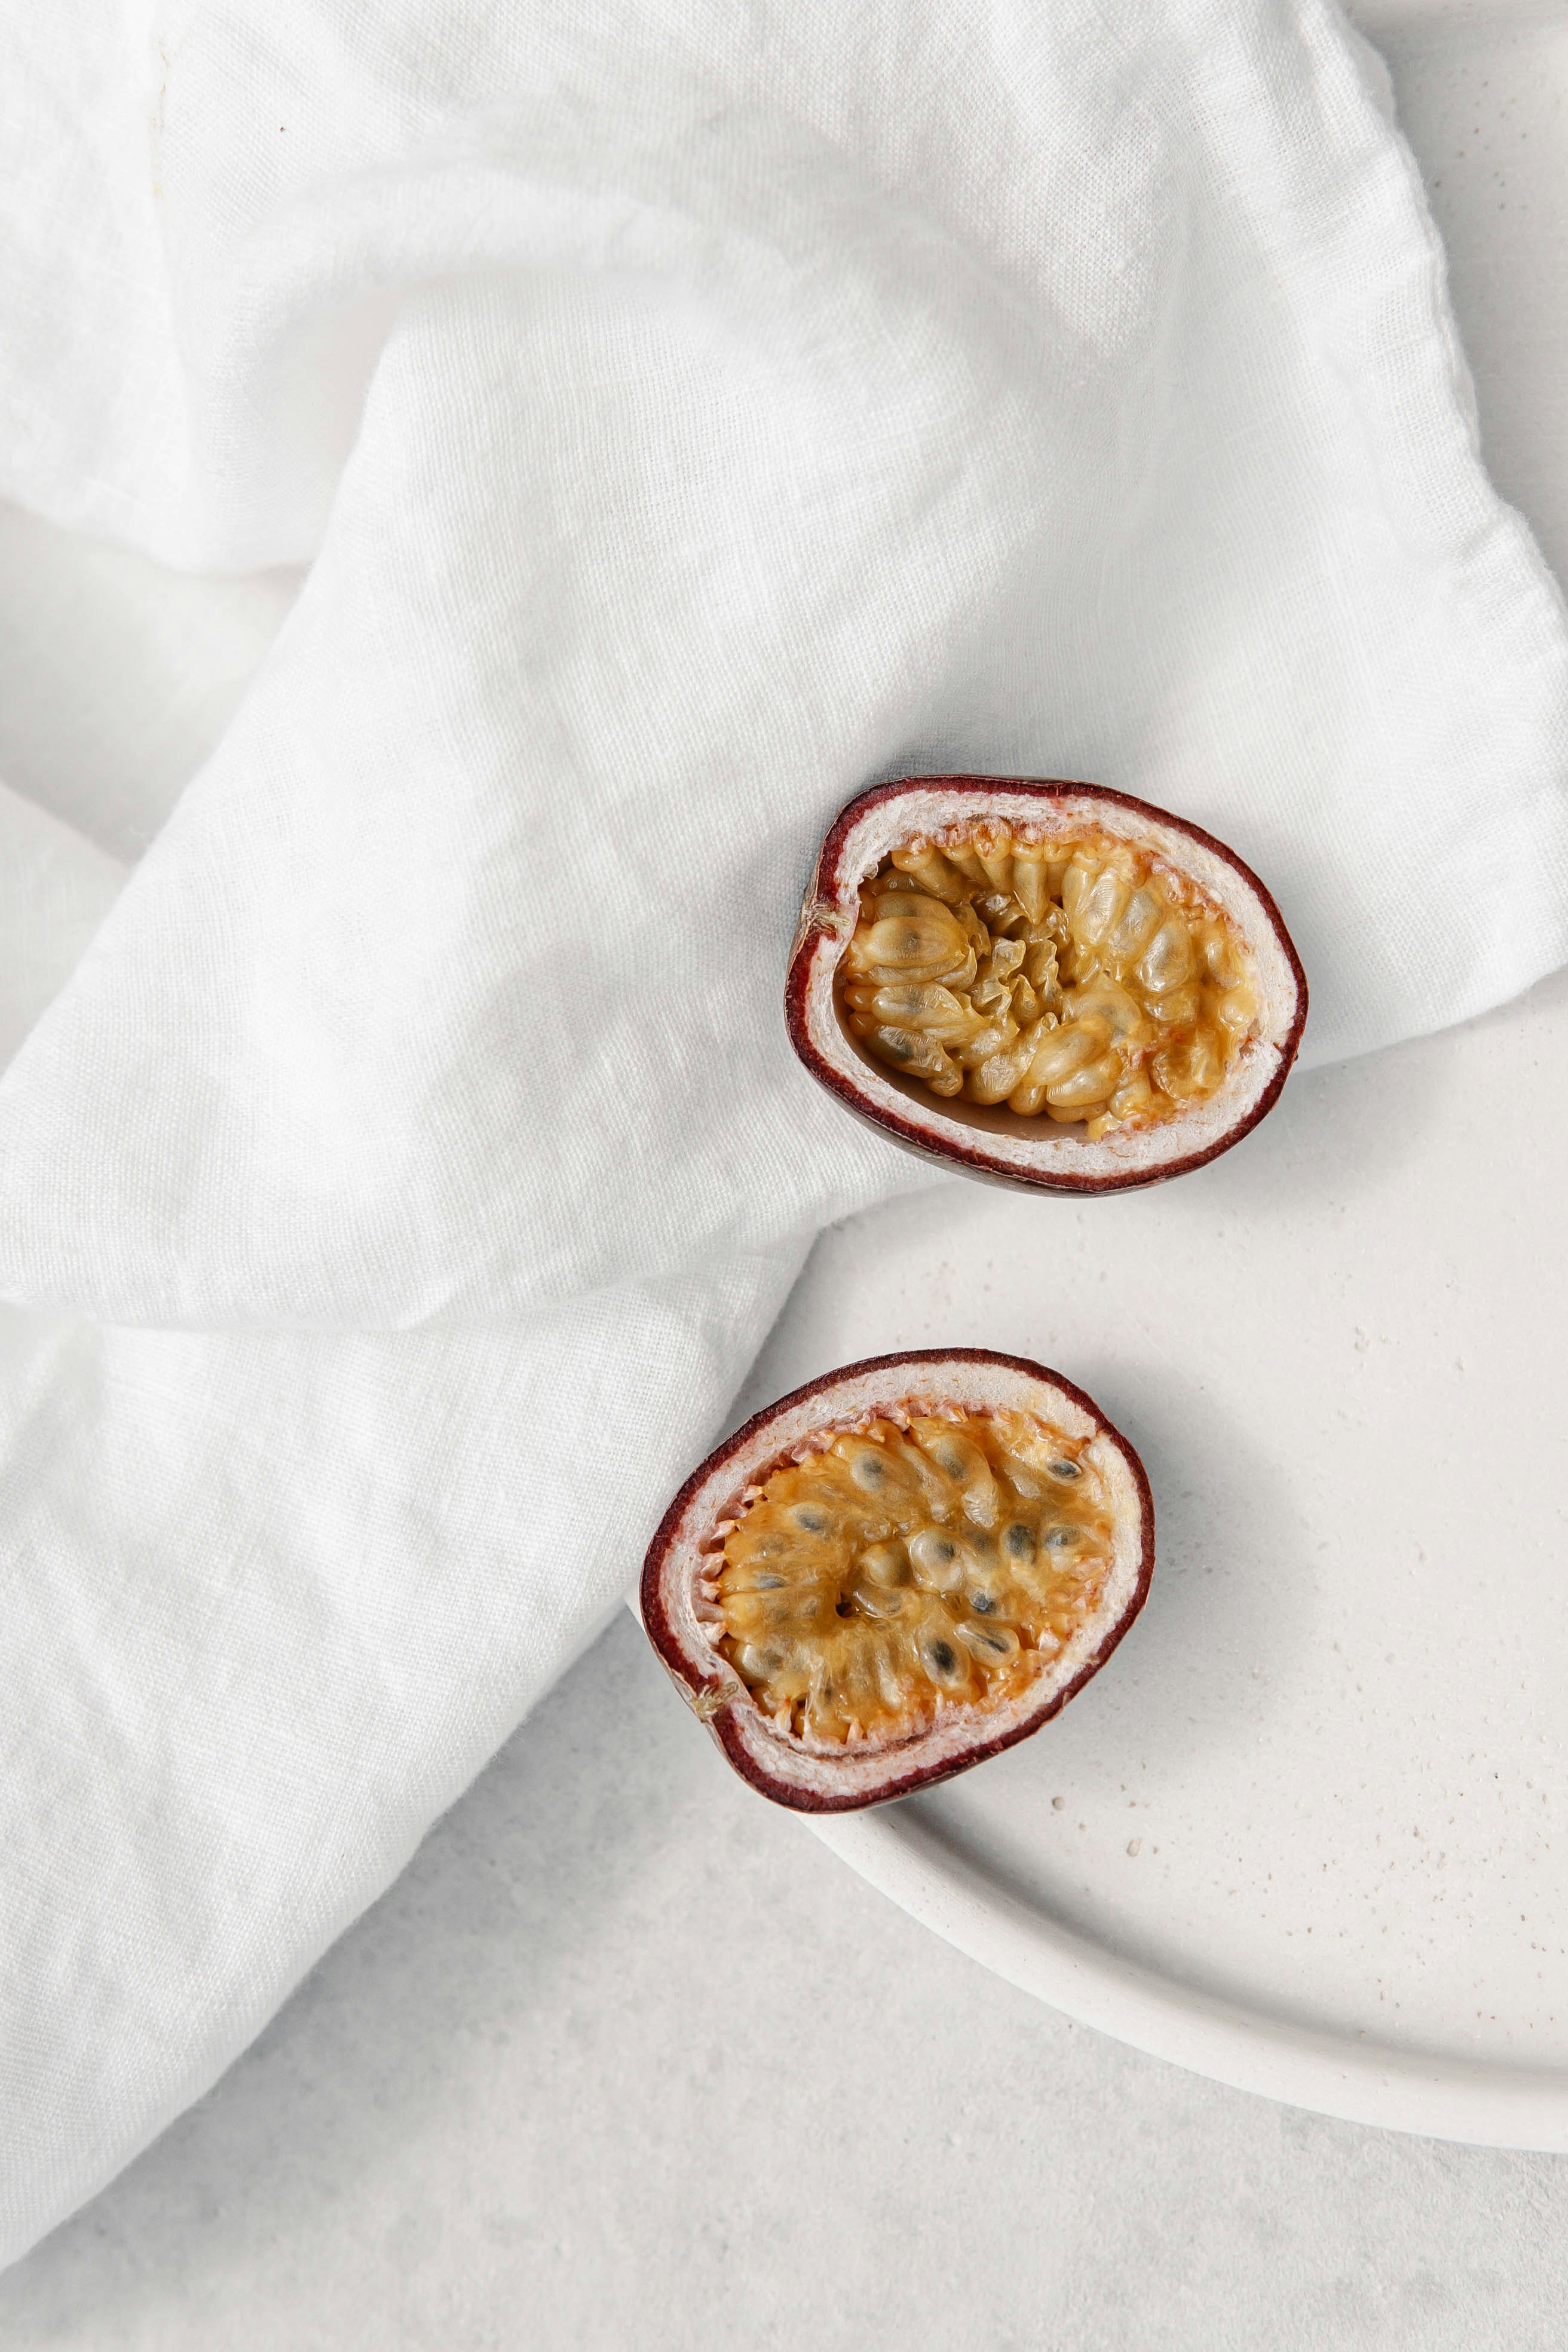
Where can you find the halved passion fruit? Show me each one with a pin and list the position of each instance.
(1044, 983)
(897, 1571)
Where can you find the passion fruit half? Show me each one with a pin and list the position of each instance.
(897, 1571)
(1044, 983)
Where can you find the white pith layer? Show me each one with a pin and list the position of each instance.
(839, 1772)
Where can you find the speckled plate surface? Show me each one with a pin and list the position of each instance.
(1306, 1833)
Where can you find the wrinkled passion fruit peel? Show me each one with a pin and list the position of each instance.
(993, 1140)
(1001, 1668)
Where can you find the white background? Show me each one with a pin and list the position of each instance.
(626, 2059)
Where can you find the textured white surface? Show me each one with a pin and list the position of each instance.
(494, 2114)
(628, 2063)
(744, 413)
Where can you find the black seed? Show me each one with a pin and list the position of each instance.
(1059, 1538)
(1020, 1541)
(943, 1657)
(1063, 1469)
(812, 1521)
(982, 1604)
(770, 1584)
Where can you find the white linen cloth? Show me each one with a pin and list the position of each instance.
(689, 415)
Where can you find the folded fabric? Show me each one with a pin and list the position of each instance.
(688, 416)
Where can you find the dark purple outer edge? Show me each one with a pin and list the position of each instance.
(974, 1157)
(722, 1724)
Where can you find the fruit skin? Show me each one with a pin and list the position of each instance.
(933, 1133)
(712, 1688)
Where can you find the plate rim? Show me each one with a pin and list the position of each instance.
(1353, 2077)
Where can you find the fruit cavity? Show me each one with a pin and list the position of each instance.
(1074, 980)
(917, 1561)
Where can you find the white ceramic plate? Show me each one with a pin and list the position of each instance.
(1308, 1832)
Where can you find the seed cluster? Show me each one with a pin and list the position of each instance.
(919, 1560)
(1081, 979)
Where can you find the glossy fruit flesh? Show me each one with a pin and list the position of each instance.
(913, 1562)
(1078, 978)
